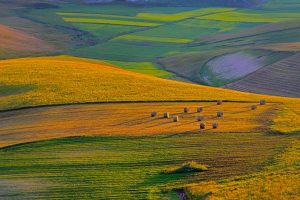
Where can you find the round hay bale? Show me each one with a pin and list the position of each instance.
(262, 102)
(186, 110)
(202, 125)
(215, 125)
(253, 107)
(166, 115)
(200, 118)
(175, 118)
(153, 114)
(200, 109)
(220, 114)
(219, 102)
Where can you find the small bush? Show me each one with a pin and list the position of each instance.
(186, 167)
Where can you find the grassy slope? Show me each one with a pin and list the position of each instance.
(59, 80)
(15, 43)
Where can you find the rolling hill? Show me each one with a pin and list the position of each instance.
(64, 80)
(14, 43)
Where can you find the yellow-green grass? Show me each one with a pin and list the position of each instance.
(278, 181)
(250, 16)
(133, 37)
(109, 21)
(128, 167)
(142, 67)
(67, 80)
(182, 15)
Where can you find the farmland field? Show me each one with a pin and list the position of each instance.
(128, 168)
(156, 99)
(76, 150)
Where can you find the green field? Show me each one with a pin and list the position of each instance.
(182, 15)
(128, 168)
(154, 34)
(246, 16)
(142, 67)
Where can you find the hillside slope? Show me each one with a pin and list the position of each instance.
(64, 80)
(17, 43)
(281, 78)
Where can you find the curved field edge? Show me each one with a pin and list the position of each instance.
(69, 80)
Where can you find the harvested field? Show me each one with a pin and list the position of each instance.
(29, 125)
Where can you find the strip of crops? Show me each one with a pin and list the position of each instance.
(153, 39)
(109, 21)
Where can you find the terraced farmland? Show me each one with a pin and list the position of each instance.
(281, 78)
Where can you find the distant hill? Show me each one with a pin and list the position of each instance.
(14, 43)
